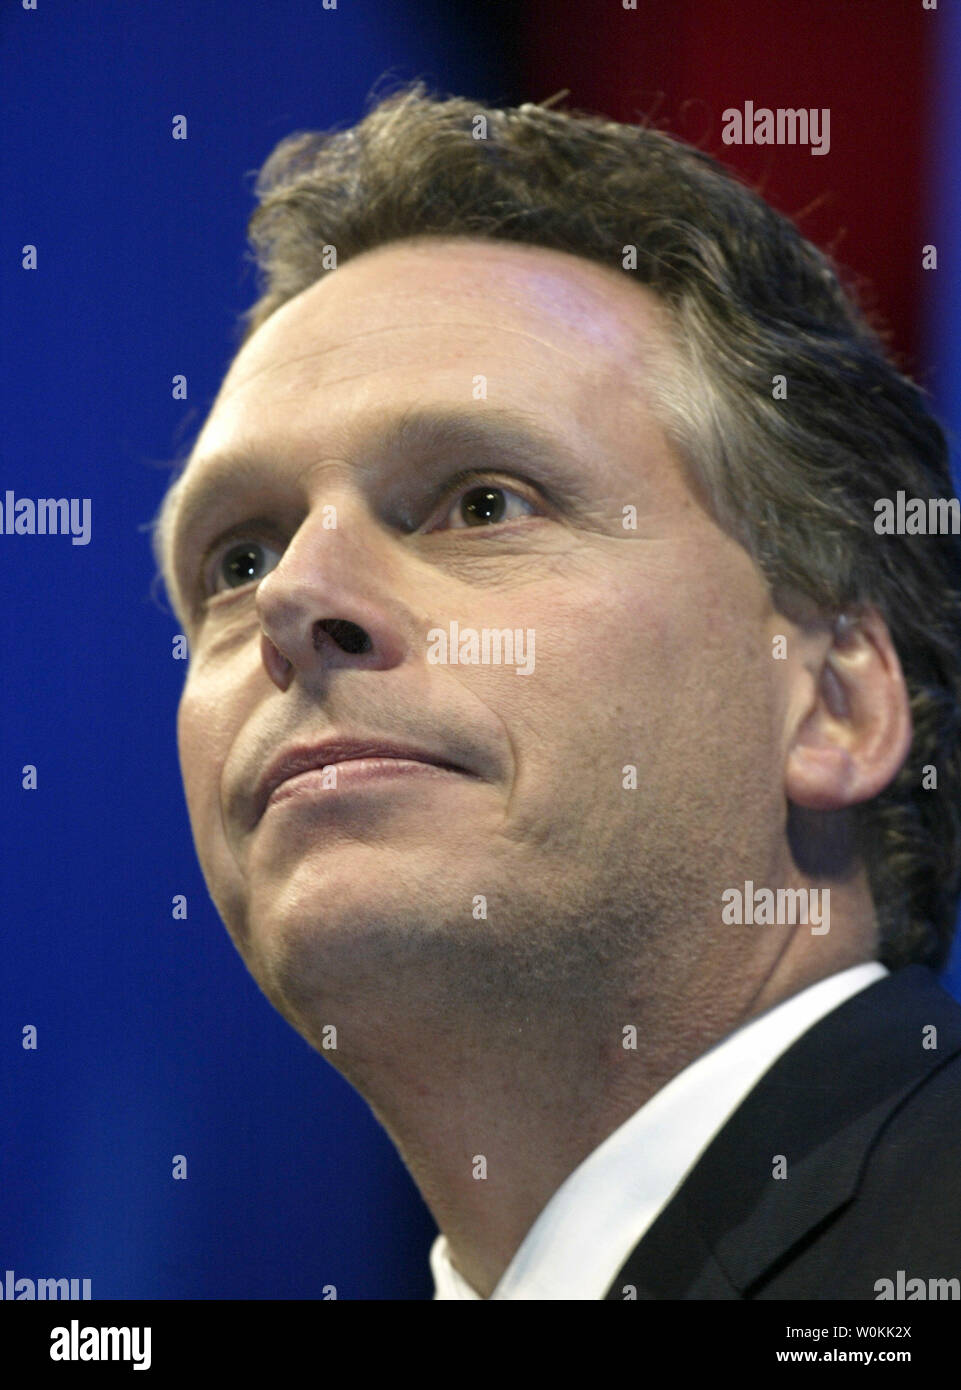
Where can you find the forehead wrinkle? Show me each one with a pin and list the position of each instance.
(319, 352)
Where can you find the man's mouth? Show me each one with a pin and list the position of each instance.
(357, 760)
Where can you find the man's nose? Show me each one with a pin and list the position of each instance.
(329, 603)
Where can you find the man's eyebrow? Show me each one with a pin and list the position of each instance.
(487, 436)
(494, 436)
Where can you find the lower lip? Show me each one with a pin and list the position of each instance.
(354, 772)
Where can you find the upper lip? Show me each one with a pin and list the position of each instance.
(305, 758)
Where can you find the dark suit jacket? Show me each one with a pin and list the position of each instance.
(869, 1122)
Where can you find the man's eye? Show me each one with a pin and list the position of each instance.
(243, 562)
(483, 504)
(247, 560)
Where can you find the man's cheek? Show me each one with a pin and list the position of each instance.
(195, 787)
(200, 765)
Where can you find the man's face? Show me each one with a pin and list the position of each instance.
(650, 640)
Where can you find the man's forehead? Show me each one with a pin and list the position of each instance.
(463, 284)
(600, 327)
(592, 309)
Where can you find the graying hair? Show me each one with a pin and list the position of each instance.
(748, 299)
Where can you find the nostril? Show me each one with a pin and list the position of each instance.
(348, 636)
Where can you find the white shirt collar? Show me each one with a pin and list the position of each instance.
(599, 1213)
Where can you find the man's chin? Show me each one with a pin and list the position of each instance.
(344, 922)
(352, 965)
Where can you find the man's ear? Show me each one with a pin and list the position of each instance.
(853, 739)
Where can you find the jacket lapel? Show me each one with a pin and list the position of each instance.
(820, 1107)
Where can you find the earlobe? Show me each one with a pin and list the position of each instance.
(854, 739)
(821, 777)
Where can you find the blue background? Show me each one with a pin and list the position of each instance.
(153, 1039)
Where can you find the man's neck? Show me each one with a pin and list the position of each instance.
(492, 1116)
